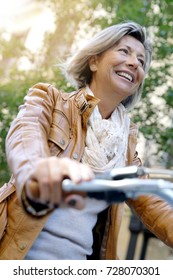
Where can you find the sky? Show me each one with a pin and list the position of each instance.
(11, 14)
(26, 15)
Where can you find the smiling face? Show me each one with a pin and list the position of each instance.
(119, 71)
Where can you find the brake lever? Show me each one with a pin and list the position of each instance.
(122, 173)
(136, 172)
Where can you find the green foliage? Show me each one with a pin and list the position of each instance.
(10, 100)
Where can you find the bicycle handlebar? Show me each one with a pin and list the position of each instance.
(123, 183)
(136, 171)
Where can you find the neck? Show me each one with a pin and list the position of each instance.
(108, 102)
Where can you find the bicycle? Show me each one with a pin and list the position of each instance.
(122, 183)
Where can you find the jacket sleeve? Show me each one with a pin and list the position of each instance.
(156, 214)
(27, 139)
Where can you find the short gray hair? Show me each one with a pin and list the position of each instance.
(77, 70)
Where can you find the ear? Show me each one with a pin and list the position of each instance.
(93, 63)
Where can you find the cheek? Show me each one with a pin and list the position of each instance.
(141, 76)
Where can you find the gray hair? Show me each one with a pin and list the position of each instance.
(77, 70)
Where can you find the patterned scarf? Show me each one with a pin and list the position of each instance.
(106, 140)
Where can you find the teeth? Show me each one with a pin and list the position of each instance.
(123, 74)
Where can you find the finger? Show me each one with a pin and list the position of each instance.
(45, 181)
(44, 191)
(32, 189)
(56, 194)
(78, 172)
(55, 180)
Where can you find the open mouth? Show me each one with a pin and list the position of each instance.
(126, 76)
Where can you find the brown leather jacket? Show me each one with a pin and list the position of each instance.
(54, 123)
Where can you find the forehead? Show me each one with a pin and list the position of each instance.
(132, 43)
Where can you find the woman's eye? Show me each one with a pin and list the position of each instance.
(141, 61)
(124, 51)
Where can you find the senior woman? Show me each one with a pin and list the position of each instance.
(76, 135)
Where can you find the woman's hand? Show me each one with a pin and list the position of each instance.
(44, 185)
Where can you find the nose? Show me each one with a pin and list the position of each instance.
(133, 61)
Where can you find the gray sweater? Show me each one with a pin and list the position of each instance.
(67, 233)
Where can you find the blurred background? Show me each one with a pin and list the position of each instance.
(35, 35)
